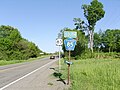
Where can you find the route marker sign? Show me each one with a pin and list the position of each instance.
(70, 44)
(70, 34)
(59, 42)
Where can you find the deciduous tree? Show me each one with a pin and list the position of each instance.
(93, 13)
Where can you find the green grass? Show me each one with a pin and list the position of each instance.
(93, 74)
(5, 62)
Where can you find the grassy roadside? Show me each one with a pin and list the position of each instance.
(5, 62)
(92, 74)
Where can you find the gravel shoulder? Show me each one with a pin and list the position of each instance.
(54, 83)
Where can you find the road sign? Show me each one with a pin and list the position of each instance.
(68, 62)
(70, 34)
(59, 42)
(70, 44)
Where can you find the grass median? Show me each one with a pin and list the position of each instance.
(93, 74)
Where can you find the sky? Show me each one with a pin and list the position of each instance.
(40, 21)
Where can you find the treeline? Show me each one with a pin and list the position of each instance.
(108, 41)
(104, 42)
(14, 47)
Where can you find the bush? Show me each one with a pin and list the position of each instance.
(14, 47)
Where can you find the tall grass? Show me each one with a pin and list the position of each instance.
(95, 74)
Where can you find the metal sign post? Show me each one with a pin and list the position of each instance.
(59, 43)
(59, 60)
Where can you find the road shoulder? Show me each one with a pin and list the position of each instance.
(42, 79)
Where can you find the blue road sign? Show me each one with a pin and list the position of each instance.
(70, 44)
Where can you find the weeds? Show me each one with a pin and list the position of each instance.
(95, 74)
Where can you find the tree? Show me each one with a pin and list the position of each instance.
(117, 35)
(93, 13)
(14, 47)
(98, 40)
(81, 44)
(111, 40)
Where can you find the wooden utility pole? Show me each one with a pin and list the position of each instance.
(69, 70)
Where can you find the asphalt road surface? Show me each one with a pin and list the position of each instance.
(29, 76)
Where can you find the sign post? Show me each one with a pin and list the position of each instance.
(59, 60)
(69, 69)
(59, 43)
(69, 45)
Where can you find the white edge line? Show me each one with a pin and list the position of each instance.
(26, 75)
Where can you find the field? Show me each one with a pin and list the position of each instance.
(93, 74)
(7, 62)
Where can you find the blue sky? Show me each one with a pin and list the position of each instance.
(40, 21)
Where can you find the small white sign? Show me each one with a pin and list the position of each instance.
(59, 42)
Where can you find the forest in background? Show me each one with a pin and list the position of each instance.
(106, 44)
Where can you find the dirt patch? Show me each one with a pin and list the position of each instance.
(56, 83)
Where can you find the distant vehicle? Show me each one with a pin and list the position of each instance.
(61, 56)
(52, 57)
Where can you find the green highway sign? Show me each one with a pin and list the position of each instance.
(70, 34)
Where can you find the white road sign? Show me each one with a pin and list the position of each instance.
(59, 42)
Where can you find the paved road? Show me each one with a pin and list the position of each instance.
(13, 75)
